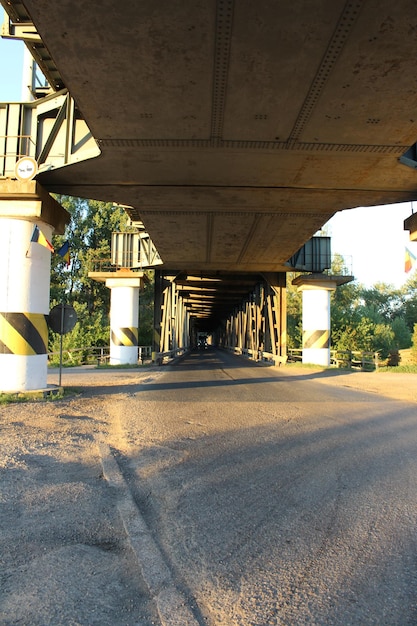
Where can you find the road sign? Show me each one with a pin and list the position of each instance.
(62, 318)
(26, 168)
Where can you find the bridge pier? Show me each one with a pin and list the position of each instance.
(316, 290)
(124, 320)
(25, 283)
(124, 288)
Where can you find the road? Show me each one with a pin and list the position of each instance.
(213, 491)
(276, 499)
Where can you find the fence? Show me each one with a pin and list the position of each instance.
(351, 359)
(258, 355)
(348, 359)
(94, 355)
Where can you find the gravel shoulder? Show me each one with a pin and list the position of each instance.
(387, 384)
(64, 554)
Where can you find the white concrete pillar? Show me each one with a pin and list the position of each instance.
(124, 320)
(316, 290)
(24, 283)
(316, 326)
(24, 304)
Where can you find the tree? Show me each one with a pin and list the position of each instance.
(402, 334)
(344, 303)
(410, 301)
(414, 346)
(385, 300)
(89, 237)
(294, 322)
(361, 319)
(367, 336)
(146, 310)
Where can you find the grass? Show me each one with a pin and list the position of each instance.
(122, 366)
(407, 364)
(299, 364)
(35, 396)
(400, 369)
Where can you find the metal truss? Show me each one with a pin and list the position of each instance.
(171, 319)
(50, 130)
(257, 328)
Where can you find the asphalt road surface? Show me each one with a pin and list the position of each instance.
(211, 492)
(276, 499)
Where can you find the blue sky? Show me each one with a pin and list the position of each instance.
(11, 63)
(372, 239)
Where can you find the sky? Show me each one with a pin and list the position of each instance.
(372, 240)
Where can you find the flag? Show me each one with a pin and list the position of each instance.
(64, 252)
(39, 237)
(410, 259)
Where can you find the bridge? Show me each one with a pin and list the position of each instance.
(233, 130)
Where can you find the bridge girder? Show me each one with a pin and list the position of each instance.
(242, 128)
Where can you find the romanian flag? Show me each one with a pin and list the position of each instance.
(410, 259)
(64, 252)
(39, 237)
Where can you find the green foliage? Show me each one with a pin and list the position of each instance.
(89, 236)
(146, 310)
(402, 334)
(384, 300)
(31, 396)
(399, 369)
(376, 319)
(413, 352)
(366, 335)
(90, 330)
(294, 306)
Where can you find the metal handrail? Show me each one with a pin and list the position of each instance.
(22, 139)
(96, 355)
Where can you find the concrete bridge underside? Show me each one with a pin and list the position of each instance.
(234, 130)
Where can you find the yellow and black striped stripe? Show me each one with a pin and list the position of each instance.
(23, 333)
(316, 339)
(124, 336)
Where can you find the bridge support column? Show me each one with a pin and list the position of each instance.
(25, 283)
(316, 290)
(124, 319)
(124, 288)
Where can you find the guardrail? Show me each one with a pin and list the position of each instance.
(354, 359)
(258, 355)
(348, 359)
(164, 357)
(94, 355)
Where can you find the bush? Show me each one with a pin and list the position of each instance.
(413, 351)
(394, 358)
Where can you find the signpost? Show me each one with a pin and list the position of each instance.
(62, 318)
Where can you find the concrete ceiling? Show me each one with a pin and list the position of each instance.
(235, 129)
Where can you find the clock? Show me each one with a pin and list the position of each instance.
(26, 168)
